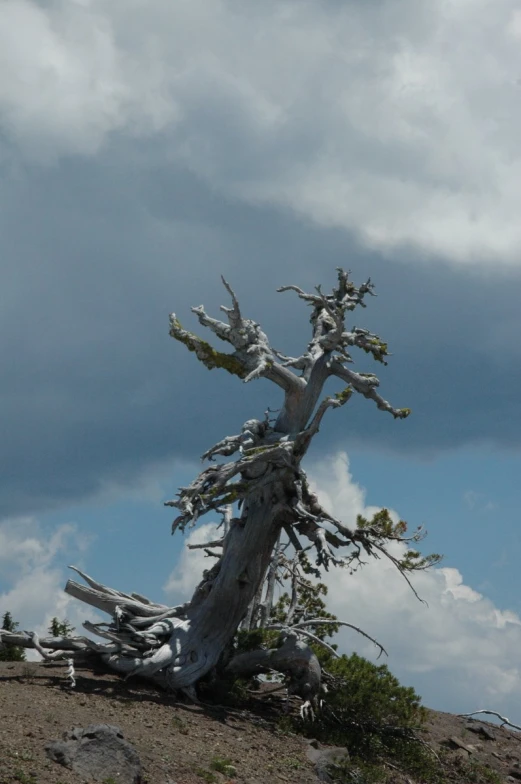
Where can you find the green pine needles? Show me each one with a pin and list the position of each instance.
(368, 711)
(59, 628)
(10, 653)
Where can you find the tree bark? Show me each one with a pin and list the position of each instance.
(220, 604)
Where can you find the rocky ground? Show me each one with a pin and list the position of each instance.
(182, 743)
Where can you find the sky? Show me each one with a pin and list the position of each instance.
(146, 148)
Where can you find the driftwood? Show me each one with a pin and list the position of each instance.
(263, 494)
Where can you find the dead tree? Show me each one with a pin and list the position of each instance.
(266, 485)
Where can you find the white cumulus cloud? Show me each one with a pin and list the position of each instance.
(459, 650)
(189, 568)
(32, 576)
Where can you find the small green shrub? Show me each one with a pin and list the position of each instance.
(224, 766)
(356, 771)
(293, 763)
(10, 653)
(227, 689)
(367, 710)
(363, 689)
(180, 725)
(206, 775)
(23, 778)
(254, 639)
(285, 725)
(59, 628)
(479, 773)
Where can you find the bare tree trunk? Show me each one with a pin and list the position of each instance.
(221, 602)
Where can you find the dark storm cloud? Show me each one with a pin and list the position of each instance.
(95, 256)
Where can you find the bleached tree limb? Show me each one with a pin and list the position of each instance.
(297, 627)
(305, 633)
(205, 545)
(71, 674)
(204, 351)
(253, 356)
(504, 721)
(62, 647)
(267, 604)
(108, 602)
(366, 386)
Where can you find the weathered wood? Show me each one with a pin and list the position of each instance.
(108, 603)
(293, 658)
(30, 640)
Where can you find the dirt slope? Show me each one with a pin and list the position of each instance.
(179, 743)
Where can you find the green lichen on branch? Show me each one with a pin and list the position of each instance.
(377, 348)
(229, 493)
(234, 493)
(344, 395)
(209, 356)
(257, 450)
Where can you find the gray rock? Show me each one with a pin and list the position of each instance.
(456, 743)
(97, 752)
(461, 754)
(326, 757)
(481, 729)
